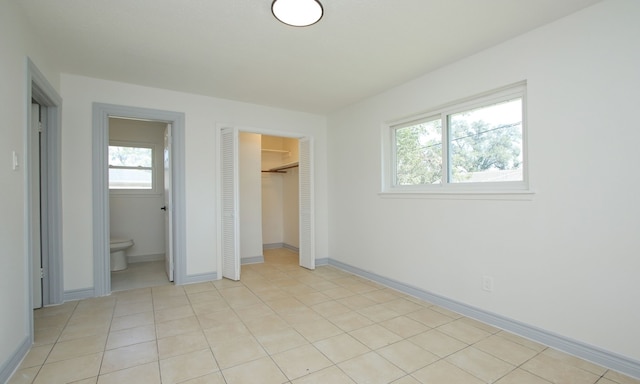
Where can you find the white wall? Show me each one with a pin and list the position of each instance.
(201, 115)
(250, 191)
(16, 43)
(280, 192)
(565, 261)
(272, 200)
(138, 216)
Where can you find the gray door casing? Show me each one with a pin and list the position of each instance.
(102, 261)
(43, 93)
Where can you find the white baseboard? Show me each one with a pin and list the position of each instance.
(290, 247)
(78, 294)
(280, 245)
(145, 258)
(252, 260)
(200, 278)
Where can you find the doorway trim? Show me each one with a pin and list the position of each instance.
(101, 255)
(220, 203)
(40, 90)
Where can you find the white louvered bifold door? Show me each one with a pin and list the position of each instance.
(230, 224)
(307, 232)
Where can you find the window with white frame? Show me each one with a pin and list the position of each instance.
(475, 145)
(131, 167)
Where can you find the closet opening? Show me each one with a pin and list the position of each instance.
(244, 229)
(269, 197)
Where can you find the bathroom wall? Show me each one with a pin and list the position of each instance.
(138, 216)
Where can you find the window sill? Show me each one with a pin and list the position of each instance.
(459, 194)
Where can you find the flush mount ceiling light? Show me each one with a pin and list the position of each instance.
(297, 13)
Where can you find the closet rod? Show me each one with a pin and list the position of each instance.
(281, 168)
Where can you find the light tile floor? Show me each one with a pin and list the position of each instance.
(284, 324)
(140, 275)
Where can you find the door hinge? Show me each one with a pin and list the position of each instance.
(39, 126)
(42, 273)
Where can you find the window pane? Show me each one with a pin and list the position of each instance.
(130, 156)
(485, 144)
(419, 153)
(130, 178)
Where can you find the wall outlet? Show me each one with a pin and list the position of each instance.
(487, 283)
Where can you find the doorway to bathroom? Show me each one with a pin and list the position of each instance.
(160, 236)
(266, 197)
(137, 203)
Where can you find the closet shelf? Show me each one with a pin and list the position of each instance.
(282, 168)
(274, 150)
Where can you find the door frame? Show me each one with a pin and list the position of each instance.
(289, 134)
(40, 90)
(102, 260)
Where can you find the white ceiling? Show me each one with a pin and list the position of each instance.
(235, 49)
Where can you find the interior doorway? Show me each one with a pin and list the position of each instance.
(139, 194)
(279, 188)
(176, 204)
(43, 190)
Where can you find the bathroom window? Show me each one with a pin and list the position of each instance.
(131, 168)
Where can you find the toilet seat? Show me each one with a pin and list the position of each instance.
(120, 243)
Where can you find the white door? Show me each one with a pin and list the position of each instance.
(168, 206)
(36, 247)
(230, 225)
(307, 232)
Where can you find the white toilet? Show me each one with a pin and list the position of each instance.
(118, 255)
